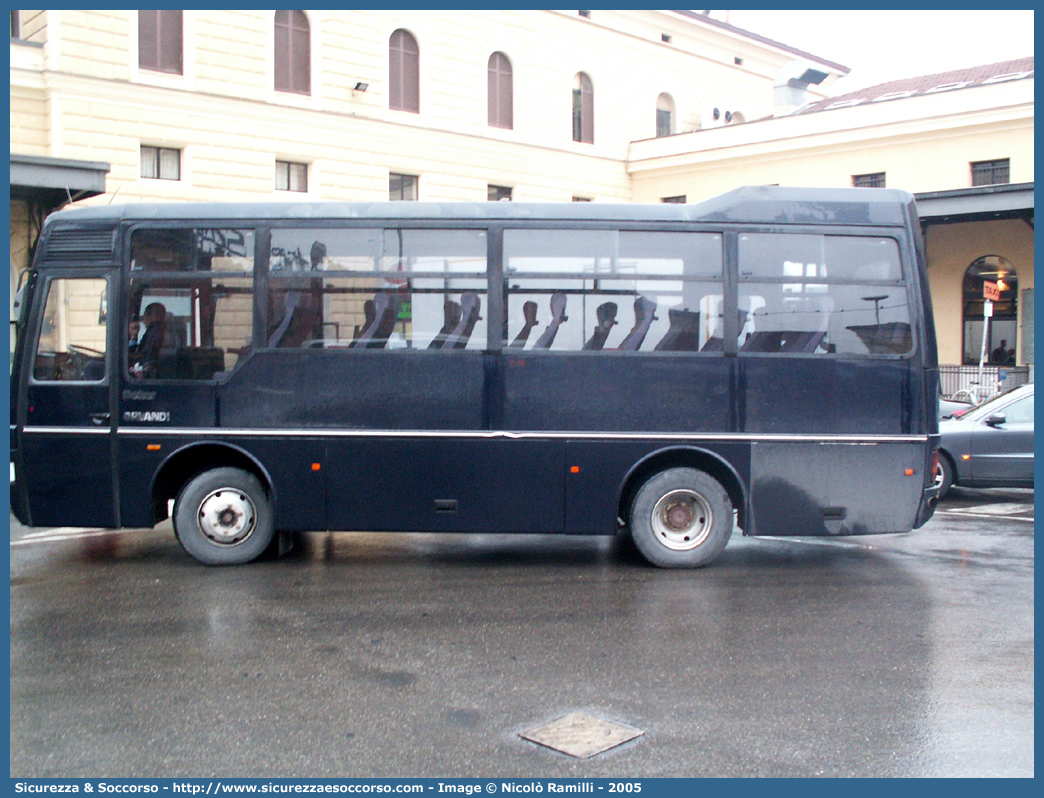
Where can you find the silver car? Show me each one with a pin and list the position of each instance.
(990, 446)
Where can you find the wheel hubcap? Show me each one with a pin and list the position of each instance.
(682, 520)
(227, 516)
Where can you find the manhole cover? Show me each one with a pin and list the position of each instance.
(581, 735)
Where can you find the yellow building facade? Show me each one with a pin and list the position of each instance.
(78, 92)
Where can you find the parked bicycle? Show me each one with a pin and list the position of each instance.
(977, 394)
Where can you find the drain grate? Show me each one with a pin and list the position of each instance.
(581, 735)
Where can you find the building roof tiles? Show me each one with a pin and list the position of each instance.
(1018, 69)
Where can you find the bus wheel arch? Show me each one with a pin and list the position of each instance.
(699, 459)
(678, 506)
(189, 461)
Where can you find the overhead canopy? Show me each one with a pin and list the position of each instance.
(978, 204)
(55, 181)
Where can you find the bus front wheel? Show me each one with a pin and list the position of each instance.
(224, 517)
(681, 518)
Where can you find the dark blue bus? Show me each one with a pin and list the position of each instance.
(764, 359)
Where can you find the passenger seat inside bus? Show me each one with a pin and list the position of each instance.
(558, 317)
(451, 318)
(606, 315)
(172, 340)
(716, 343)
(470, 307)
(684, 332)
(644, 316)
(199, 362)
(808, 313)
(299, 324)
(529, 312)
(385, 310)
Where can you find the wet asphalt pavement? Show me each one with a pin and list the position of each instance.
(370, 655)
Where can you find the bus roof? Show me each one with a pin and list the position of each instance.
(751, 204)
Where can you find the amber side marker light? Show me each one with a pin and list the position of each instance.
(909, 472)
(153, 447)
(316, 466)
(574, 469)
(966, 457)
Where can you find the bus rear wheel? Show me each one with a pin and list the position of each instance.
(681, 518)
(224, 517)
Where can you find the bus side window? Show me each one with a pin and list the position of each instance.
(350, 288)
(198, 283)
(819, 294)
(606, 290)
(206, 328)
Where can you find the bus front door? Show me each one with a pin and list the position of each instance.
(64, 469)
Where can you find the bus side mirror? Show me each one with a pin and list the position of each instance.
(997, 420)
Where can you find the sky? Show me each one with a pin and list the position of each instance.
(879, 46)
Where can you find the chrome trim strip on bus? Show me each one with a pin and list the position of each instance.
(27, 430)
(217, 432)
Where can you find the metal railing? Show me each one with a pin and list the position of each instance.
(963, 381)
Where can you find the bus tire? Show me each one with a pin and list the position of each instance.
(944, 479)
(681, 518)
(224, 517)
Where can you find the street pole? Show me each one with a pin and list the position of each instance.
(987, 312)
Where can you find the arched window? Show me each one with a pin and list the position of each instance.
(293, 52)
(1003, 325)
(403, 72)
(500, 91)
(664, 115)
(583, 109)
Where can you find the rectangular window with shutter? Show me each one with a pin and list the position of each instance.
(873, 180)
(402, 187)
(160, 163)
(160, 47)
(989, 173)
(291, 176)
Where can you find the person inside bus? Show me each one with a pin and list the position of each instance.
(144, 352)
